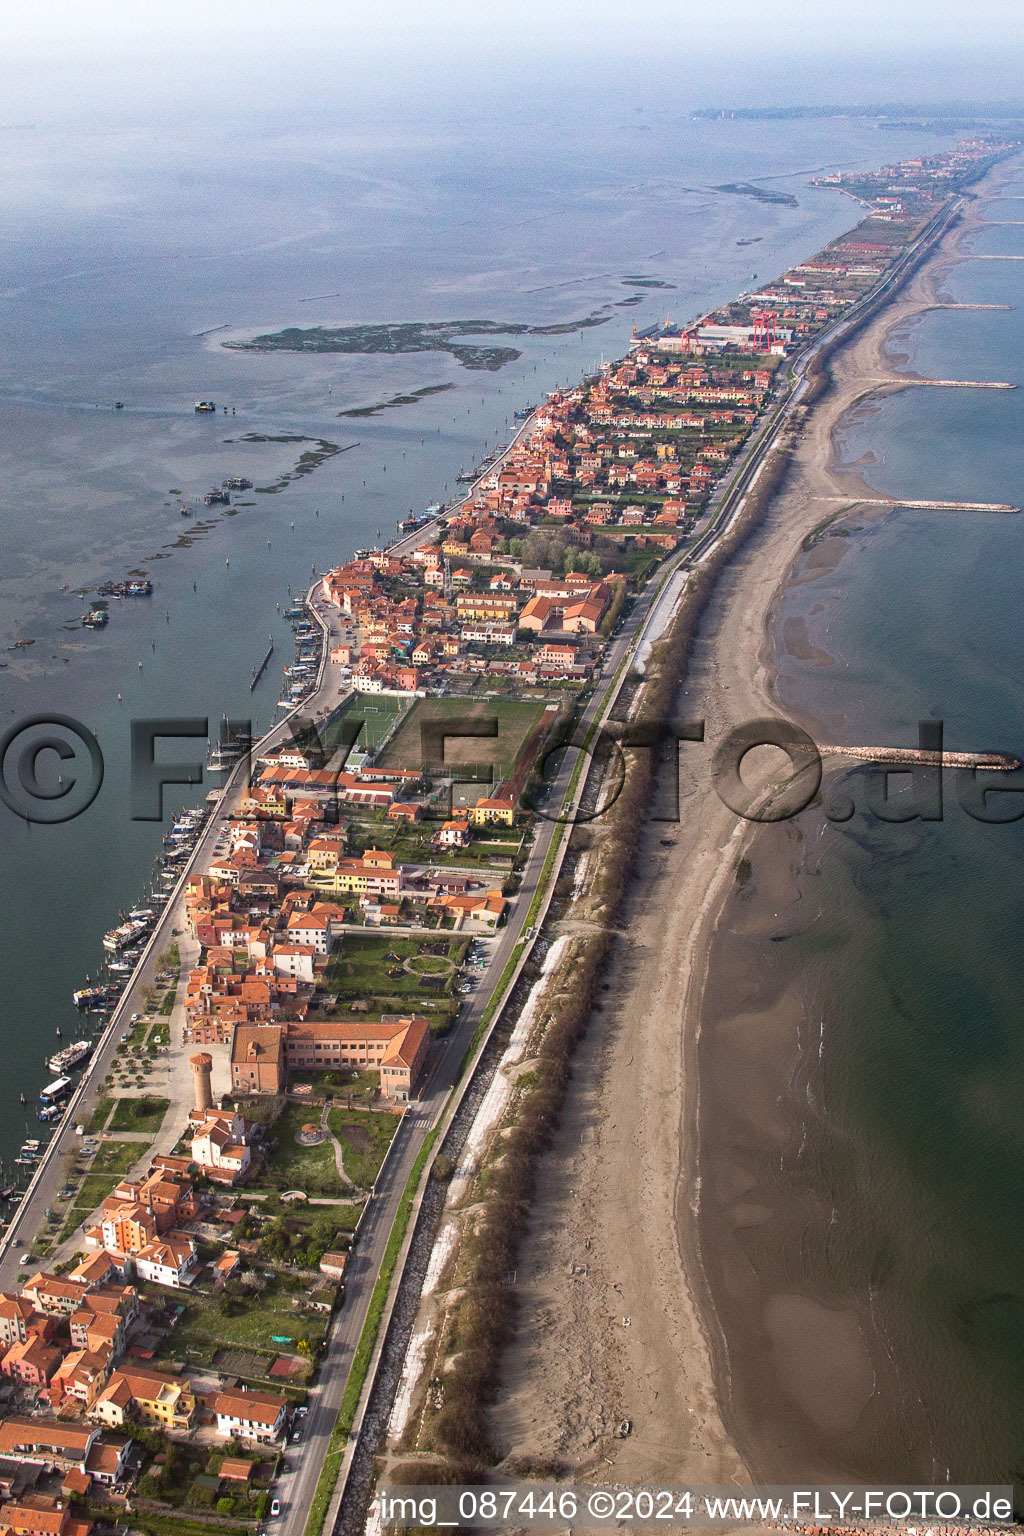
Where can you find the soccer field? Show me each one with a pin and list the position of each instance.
(377, 710)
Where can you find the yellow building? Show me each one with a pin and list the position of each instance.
(499, 809)
(148, 1396)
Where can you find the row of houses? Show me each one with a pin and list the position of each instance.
(65, 1339)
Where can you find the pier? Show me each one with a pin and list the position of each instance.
(964, 383)
(996, 762)
(924, 506)
(970, 306)
(257, 672)
(984, 256)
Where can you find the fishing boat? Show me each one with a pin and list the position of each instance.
(91, 997)
(206, 405)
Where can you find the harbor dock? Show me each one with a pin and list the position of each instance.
(258, 671)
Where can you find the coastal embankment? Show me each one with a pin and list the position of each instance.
(647, 1288)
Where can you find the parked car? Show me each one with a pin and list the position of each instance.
(275, 1508)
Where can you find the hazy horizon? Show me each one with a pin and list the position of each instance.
(111, 58)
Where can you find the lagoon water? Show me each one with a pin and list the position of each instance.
(906, 941)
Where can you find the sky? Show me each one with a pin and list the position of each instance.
(748, 25)
(155, 53)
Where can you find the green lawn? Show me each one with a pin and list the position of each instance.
(254, 1324)
(365, 1138)
(293, 1167)
(516, 719)
(98, 1118)
(115, 1157)
(339, 1084)
(343, 1218)
(94, 1190)
(145, 1114)
(361, 967)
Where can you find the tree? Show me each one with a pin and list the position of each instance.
(322, 1231)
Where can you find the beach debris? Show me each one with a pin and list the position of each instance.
(624, 1429)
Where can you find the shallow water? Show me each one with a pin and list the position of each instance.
(899, 1190)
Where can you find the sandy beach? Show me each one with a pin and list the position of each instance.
(651, 1190)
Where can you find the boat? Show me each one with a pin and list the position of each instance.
(71, 1056)
(96, 618)
(51, 1112)
(124, 935)
(206, 405)
(224, 755)
(53, 1091)
(92, 997)
(141, 912)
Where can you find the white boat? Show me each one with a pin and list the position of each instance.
(125, 934)
(70, 1057)
(53, 1091)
